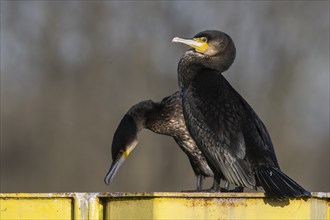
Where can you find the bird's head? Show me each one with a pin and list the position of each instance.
(124, 141)
(214, 49)
(125, 137)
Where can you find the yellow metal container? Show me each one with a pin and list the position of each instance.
(160, 206)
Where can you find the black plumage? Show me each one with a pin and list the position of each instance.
(229, 133)
(165, 118)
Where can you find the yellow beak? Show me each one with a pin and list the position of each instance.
(197, 43)
(116, 164)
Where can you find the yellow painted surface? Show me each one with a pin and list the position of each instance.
(160, 206)
(31, 208)
(214, 206)
(329, 207)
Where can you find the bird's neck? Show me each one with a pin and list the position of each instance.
(186, 73)
(191, 65)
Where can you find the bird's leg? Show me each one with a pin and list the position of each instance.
(216, 184)
(199, 185)
(227, 185)
(199, 182)
(236, 189)
(215, 187)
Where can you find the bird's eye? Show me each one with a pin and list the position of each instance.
(120, 154)
(203, 39)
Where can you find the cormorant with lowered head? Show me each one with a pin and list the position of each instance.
(165, 118)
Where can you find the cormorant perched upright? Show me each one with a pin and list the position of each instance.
(164, 118)
(229, 133)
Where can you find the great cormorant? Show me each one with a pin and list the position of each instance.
(165, 118)
(229, 133)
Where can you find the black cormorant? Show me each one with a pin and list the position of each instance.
(229, 133)
(165, 118)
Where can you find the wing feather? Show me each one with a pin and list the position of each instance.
(220, 139)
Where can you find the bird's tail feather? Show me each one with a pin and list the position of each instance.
(278, 185)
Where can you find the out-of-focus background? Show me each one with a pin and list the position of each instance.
(71, 69)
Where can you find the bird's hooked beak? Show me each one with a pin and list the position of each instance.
(199, 44)
(116, 164)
